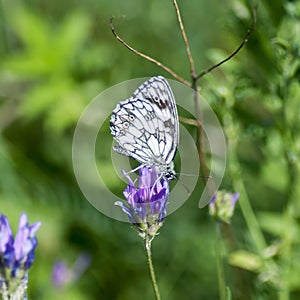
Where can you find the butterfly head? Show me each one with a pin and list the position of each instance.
(167, 171)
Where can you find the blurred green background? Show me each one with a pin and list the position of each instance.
(56, 56)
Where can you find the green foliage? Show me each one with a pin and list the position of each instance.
(271, 179)
(52, 62)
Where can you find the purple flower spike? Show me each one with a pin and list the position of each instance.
(16, 256)
(146, 205)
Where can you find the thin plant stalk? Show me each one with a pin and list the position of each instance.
(147, 57)
(220, 268)
(290, 216)
(185, 39)
(148, 241)
(232, 133)
(245, 40)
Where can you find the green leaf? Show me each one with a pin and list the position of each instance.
(245, 260)
(228, 293)
(274, 223)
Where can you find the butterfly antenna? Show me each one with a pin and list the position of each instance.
(124, 173)
(132, 171)
(185, 187)
(202, 176)
(135, 169)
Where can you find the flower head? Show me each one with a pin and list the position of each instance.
(222, 205)
(16, 255)
(146, 204)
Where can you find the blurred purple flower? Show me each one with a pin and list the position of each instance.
(6, 243)
(63, 275)
(25, 242)
(146, 205)
(16, 255)
(222, 205)
(5, 234)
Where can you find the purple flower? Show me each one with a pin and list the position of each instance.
(5, 234)
(146, 205)
(63, 275)
(16, 255)
(25, 242)
(222, 205)
(6, 243)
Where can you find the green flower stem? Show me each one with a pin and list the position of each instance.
(232, 132)
(148, 241)
(290, 215)
(246, 208)
(285, 257)
(220, 269)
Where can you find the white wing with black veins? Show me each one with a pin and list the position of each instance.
(146, 125)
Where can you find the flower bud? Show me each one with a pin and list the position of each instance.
(222, 204)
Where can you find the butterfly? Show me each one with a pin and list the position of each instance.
(146, 126)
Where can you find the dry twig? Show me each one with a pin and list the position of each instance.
(151, 59)
(186, 43)
(195, 77)
(245, 40)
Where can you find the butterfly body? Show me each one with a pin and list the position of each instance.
(146, 126)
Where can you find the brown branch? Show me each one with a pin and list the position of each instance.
(203, 167)
(159, 64)
(186, 43)
(245, 40)
(202, 158)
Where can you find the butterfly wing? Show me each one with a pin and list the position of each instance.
(146, 125)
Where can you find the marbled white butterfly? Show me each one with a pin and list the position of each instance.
(146, 126)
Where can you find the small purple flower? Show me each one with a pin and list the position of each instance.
(16, 255)
(63, 275)
(146, 205)
(222, 205)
